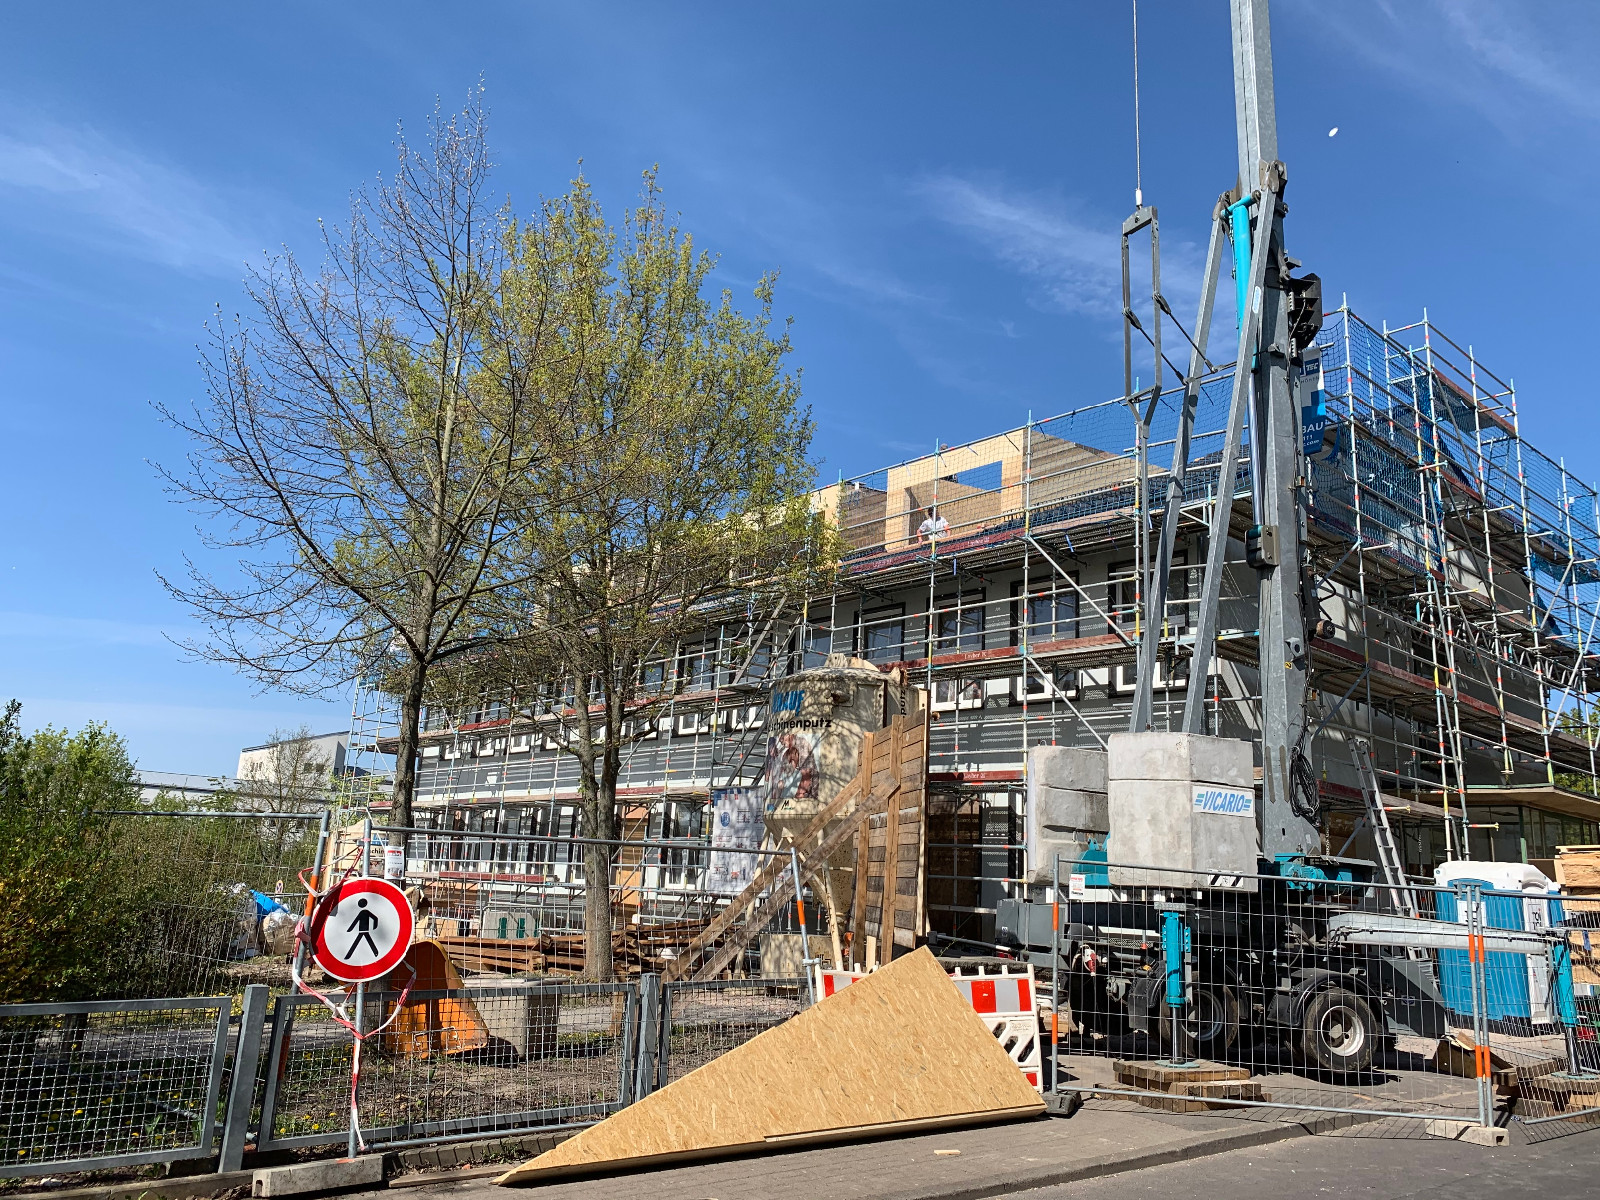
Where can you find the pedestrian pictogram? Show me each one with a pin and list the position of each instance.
(366, 933)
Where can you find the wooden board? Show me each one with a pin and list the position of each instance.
(891, 867)
(1578, 869)
(899, 1049)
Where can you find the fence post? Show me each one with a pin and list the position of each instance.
(1055, 973)
(1478, 967)
(806, 961)
(242, 1087)
(302, 949)
(353, 1142)
(648, 1039)
(1566, 1004)
(628, 1047)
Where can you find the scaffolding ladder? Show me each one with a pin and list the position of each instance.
(1394, 875)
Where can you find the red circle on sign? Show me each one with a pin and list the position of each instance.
(367, 932)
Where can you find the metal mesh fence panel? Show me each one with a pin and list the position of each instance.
(1556, 1063)
(452, 1063)
(1304, 992)
(109, 1083)
(515, 906)
(702, 1021)
(208, 893)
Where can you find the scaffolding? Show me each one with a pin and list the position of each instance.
(1454, 586)
(1454, 563)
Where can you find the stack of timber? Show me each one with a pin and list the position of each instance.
(1578, 873)
(635, 949)
(1187, 1087)
(1578, 870)
(510, 955)
(1561, 1093)
(891, 780)
(895, 1052)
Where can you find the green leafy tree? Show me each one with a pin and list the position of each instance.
(60, 917)
(1586, 726)
(678, 484)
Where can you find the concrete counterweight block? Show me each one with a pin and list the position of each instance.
(528, 1019)
(1066, 807)
(1184, 802)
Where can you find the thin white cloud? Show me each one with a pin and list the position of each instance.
(1510, 45)
(1076, 260)
(76, 184)
(1519, 65)
(873, 284)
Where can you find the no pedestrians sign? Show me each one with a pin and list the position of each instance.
(367, 932)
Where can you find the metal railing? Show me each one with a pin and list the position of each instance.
(488, 1057)
(110, 1083)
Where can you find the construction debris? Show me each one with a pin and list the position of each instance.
(1188, 1087)
(898, 1051)
(1508, 1069)
(1561, 1092)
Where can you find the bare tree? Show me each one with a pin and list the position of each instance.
(364, 440)
(677, 485)
(290, 774)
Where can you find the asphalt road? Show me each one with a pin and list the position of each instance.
(1379, 1168)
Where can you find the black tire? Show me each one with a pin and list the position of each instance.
(1208, 1027)
(1339, 1032)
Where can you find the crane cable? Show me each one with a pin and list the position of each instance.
(1138, 155)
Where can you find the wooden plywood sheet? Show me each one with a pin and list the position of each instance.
(900, 1049)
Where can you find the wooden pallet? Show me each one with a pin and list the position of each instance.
(1578, 869)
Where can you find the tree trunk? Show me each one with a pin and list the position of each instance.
(598, 964)
(405, 759)
(598, 821)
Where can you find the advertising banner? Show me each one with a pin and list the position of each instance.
(736, 824)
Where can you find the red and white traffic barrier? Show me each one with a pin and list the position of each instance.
(1003, 996)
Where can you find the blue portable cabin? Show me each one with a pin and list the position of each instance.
(1516, 896)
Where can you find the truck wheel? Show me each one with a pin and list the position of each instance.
(1209, 1024)
(1339, 1032)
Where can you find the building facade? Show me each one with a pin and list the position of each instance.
(1451, 587)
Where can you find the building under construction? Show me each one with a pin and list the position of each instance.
(1451, 598)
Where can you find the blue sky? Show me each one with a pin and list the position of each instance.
(940, 185)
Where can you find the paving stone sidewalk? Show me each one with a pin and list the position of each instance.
(993, 1160)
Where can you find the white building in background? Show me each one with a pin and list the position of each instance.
(322, 752)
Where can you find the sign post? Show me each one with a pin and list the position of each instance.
(364, 936)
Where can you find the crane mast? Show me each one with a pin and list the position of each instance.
(1288, 815)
